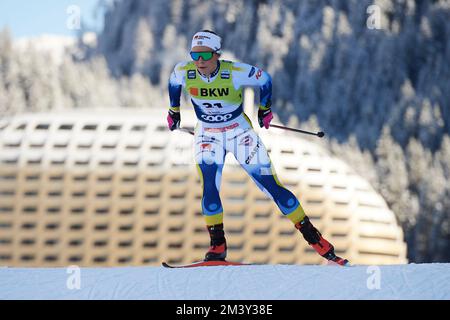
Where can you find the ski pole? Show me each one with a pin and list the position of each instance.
(320, 134)
(187, 131)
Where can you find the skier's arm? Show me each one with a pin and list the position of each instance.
(248, 75)
(175, 86)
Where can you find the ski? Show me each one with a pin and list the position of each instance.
(205, 264)
(338, 261)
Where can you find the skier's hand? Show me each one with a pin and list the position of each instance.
(264, 117)
(173, 120)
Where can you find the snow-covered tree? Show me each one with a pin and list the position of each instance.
(384, 91)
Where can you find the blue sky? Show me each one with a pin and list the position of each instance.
(31, 18)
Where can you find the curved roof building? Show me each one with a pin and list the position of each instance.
(115, 187)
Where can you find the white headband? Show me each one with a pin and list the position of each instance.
(206, 39)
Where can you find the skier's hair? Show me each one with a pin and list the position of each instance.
(209, 31)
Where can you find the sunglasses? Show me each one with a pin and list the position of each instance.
(206, 55)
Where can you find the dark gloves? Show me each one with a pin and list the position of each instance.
(173, 120)
(264, 117)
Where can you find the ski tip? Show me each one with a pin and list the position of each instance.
(164, 264)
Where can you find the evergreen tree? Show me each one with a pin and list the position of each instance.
(393, 179)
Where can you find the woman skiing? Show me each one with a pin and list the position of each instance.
(215, 88)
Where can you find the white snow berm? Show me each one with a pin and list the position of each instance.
(271, 282)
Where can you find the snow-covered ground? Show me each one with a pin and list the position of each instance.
(413, 281)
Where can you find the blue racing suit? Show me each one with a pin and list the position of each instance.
(223, 127)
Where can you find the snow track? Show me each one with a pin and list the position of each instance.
(258, 282)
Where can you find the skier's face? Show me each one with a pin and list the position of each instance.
(205, 66)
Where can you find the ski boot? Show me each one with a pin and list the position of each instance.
(218, 249)
(318, 243)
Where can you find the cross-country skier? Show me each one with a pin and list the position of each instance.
(215, 88)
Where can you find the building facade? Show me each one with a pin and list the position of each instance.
(116, 187)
